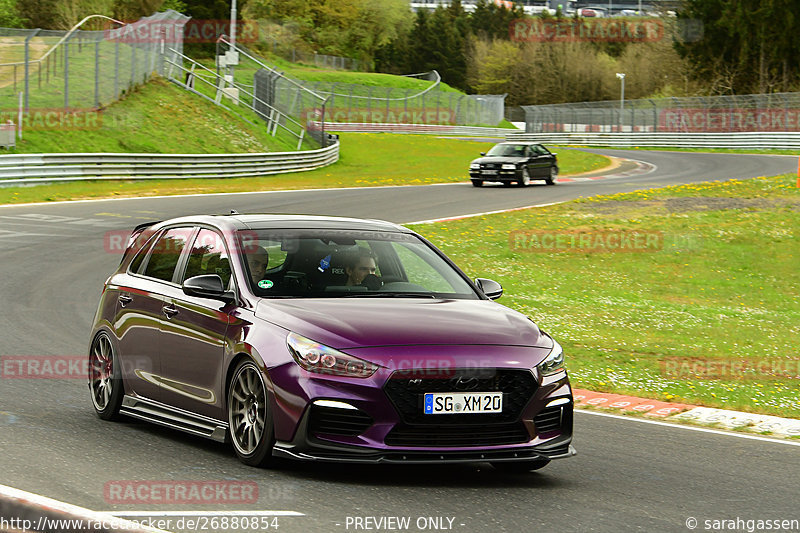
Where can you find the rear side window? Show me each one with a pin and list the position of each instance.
(208, 256)
(166, 252)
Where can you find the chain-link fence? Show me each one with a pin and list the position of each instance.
(315, 102)
(83, 70)
(777, 112)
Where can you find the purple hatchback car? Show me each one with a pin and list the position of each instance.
(326, 339)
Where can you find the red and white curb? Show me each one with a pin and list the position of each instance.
(641, 168)
(786, 427)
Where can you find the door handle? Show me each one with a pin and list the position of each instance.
(124, 299)
(169, 311)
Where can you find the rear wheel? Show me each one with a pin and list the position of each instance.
(251, 430)
(105, 380)
(520, 467)
(477, 183)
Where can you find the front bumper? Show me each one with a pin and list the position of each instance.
(498, 175)
(388, 430)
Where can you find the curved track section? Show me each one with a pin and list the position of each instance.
(628, 476)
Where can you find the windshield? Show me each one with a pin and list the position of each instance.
(348, 264)
(512, 150)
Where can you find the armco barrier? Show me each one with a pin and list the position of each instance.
(24, 511)
(438, 129)
(51, 168)
(745, 140)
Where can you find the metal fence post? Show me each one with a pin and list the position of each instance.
(97, 74)
(116, 69)
(27, 66)
(66, 74)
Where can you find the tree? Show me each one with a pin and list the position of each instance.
(746, 46)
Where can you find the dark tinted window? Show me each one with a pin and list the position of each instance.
(166, 252)
(208, 256)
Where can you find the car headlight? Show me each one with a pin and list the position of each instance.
(509, 167)
(554, 362)
(316, 357)
(474, 165)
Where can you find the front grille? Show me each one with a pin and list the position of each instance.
(490, 166)
(548, 420)
(444, 436)
(406, 390)
(333, 421)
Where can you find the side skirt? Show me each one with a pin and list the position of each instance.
(171, 417)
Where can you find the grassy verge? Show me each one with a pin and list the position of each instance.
(158, 117)
(366, 159)
(709, 315)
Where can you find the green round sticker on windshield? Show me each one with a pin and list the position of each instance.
(265, 284)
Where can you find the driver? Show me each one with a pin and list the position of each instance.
(359, 265)
(257, 260)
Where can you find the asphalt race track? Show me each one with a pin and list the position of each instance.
(627, 476)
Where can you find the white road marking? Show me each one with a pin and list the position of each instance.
(691, 428)
(459, 217)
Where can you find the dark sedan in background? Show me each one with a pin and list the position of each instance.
(515, 162)
(324, 339)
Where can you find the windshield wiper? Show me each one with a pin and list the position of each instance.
(388, 294)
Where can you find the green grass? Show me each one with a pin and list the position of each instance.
(366, 159)
(723, 285)
(158, 117)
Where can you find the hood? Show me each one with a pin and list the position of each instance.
(499, 159)
(344, 323)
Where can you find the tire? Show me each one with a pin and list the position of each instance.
(477, 183)
(526, 178)
(520, 467)
(250, 426)
(551, 180)
(105, 378)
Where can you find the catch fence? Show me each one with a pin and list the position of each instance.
(777, 112)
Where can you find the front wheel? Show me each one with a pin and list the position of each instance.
(251, 430)
(526, 178)
(105, 378)
(477, 183)
(551, 179)
(520, 467)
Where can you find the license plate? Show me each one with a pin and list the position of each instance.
(454, 403)
(490, 172)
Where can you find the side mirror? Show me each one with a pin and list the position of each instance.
(207, 286)
(490, 288)
(483, 153)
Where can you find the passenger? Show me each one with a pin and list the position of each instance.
(359, 265)
(257, 260)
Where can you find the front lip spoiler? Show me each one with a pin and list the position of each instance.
(532, 453)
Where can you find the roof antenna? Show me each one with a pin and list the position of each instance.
(233, 212)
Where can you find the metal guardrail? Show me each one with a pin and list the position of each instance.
(439, 129)
(51, 168)
(745, 140)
